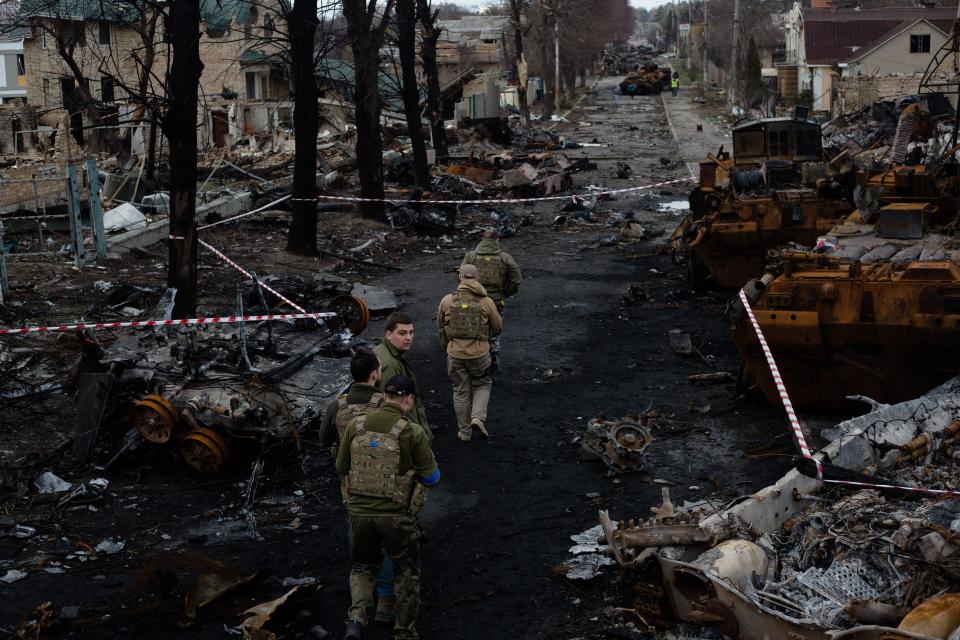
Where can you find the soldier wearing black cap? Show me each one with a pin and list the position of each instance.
(387, 463)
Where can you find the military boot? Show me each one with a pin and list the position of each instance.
(477, 425)
(354, 631)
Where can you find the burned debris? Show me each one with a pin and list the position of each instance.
(811, 560)
(646, 80)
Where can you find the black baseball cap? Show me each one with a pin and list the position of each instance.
(400, 385)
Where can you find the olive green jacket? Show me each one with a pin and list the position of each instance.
(415, 453)
(392, 363)
(359, 393)
(511, 279)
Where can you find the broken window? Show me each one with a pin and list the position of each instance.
(46, 92)
(269, 29)
(779, 144)
(920, 43)
(21, 65)
(251, 85)
(748, 143)
(808, 142)
(104, 32)
(43, 38)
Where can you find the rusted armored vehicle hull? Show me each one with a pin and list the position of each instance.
(775, 190)
(648, 80)
(729, 248)
(886, 331)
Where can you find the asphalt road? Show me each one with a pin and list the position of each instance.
(574, 346)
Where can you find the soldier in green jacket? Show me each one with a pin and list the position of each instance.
(364, 394)
(499, 275)
(387, 463)
(397, 340)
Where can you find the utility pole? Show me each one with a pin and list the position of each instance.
(556, 62)
(706, 76)
(735, 56)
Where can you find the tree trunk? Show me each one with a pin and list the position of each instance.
(428, 54)
(302, 237)
(520, 62)
(180, 128)
(152, 152)
(549, 79)
(366, 101)
(407, 42)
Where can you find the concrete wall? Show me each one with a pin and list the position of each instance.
(854, 92)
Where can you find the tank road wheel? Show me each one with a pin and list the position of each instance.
(155, 419)
(204, 450)
(353, 313)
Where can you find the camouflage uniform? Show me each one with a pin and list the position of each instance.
(380, 512)
(359, 400)
(500, 276)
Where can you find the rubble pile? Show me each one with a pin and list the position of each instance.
(884, 131)
(802, 558)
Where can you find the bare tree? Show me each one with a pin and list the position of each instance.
(180, 128)
(430, 34)
(302, 22)
(366, 35)
(410, 88)
(516, 10)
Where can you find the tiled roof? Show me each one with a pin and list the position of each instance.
(833, 36)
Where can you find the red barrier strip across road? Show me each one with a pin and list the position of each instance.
(166, 323)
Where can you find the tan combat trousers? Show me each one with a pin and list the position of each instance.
(471, 389)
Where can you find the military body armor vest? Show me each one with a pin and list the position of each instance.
(467, 320)
(492, 270)
(346, 412)
(375, 463)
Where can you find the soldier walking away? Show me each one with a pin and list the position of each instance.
(397, 341)
(363, 396)
(675, 83)
(467, 320)
(387, 464)
(499, 275)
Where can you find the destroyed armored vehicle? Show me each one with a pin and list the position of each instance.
(774, 190)
(209, 394)
(649, 79)
(874, 309)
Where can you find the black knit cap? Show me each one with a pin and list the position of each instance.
(400, 385)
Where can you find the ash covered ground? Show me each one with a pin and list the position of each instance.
(587, 335)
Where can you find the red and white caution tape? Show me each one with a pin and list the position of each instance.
(795, 423)
(233, 264)
(165, 323)
(244, 215)
(781, 388)
(404, 201)
(505, 200)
